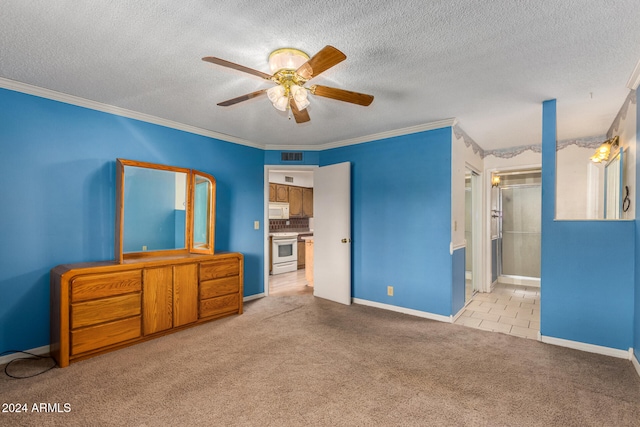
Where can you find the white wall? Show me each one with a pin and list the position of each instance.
(300, 178)
(579, 184)
(181, 191)
(461, 157)
(627, 132)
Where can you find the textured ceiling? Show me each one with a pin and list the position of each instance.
(489, 64)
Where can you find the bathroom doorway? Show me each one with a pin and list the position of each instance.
(512, 303)
(519, 228)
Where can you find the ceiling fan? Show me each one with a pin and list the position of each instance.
(292, 69)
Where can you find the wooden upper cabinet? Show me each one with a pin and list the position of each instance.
(282, 193)
(272, 192)
(307, 202)
(295, 201)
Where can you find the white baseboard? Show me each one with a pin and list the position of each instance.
(40, 351)
(252, 297)
(459, 313)
(520, 280)
(410, 311)
(591, 348)
(634, 361)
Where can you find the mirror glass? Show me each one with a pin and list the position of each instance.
(154, 210)
(202, 212)
(163, 211)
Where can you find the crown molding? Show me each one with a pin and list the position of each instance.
(634, 79)
(439, 124)
(106, 108)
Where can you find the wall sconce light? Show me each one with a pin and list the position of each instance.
(495, 180)
(603, 152)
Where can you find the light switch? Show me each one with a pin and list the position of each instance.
(256, 225)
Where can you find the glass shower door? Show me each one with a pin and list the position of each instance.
(521, 230)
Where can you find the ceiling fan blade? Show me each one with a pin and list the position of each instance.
(242, 98)
(342, 95)
(320, 62)
(235, 66)
(301, 116)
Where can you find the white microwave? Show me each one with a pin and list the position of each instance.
(278, 210)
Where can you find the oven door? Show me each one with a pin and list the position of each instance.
(285, 250)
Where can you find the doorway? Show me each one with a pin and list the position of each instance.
(512, 303)
(295, 182)
(472, 232)
(331, 240)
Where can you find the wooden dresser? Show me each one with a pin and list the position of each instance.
(103, 306)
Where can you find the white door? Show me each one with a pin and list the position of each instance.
(332, 233)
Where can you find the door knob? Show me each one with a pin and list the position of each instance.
(346, 240)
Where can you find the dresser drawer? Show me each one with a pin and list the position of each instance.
(220, 305)
(105, 309)
(219, 268)
(94, 286)
(219, 287)
(97, 337)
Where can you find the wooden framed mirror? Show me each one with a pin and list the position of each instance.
(163, 210)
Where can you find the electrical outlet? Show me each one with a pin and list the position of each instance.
(390, 291)
(144, 248)
(256, 225)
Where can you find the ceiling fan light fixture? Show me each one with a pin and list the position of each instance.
(299, 93)
(292, 69)
(286, 59)
(301, 104)
(275, 93)
(281, 103)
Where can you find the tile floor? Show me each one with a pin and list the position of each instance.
(292, 283)
(510, 309)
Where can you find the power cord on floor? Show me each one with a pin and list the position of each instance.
(32, 357)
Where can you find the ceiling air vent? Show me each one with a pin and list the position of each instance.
(288, 179)
(291, 156)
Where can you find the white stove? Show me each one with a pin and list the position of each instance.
(284, 250)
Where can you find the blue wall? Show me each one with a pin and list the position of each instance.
(636, 340)
(57, 168)
(401, 219)
(587, 275)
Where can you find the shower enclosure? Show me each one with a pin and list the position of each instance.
(519, 231)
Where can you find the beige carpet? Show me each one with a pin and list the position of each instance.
(302, 361)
